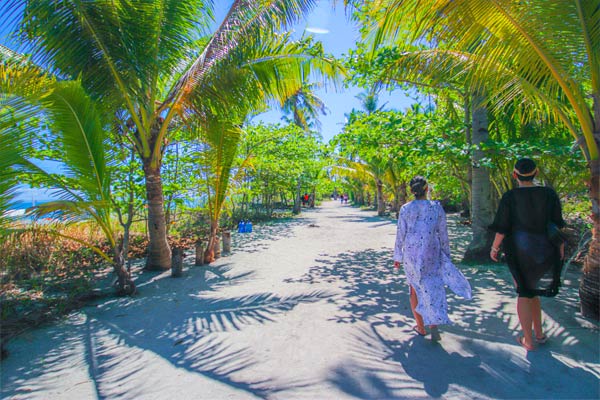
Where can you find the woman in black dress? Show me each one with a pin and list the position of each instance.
(534, 261)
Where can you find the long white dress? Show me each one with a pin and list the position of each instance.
(423, 249)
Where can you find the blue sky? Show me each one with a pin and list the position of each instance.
(333, 28)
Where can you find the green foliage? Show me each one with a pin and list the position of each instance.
(279, 156)
(395, 146)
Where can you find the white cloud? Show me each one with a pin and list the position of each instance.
(314, 29)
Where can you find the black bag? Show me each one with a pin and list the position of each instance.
(554, 234)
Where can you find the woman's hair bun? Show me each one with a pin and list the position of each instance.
(418, 186)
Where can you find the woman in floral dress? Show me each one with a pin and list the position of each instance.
(423, 249)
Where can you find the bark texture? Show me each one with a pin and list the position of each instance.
(482, 211)
(380, 199)
(297, 202)
(589, 289)
(159, 252)
(209, 253)
(124, 285)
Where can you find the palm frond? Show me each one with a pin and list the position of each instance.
(245, 22)
(545, 43)
(354, 170)
(76, 121)
(272, 70)
(457, 69)
(222, 137)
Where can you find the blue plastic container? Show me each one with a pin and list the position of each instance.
(241, 227)
(248, 227)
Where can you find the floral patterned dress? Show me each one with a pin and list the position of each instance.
(423, 249)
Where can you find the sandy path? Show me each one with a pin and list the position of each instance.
(304, 312)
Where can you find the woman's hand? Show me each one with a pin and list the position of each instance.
(494, 253)
(562, 251)
(496, 246)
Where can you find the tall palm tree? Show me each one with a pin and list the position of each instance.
(515, 53)
(151, 60)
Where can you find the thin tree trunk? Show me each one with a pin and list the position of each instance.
(159, 252)
(297, 203)
(380, 199)
(469, 141)
(399, 197)
(482, 211)
(123, 285)
(209, 254)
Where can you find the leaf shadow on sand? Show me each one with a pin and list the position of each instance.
(176, 322)
(479, 354)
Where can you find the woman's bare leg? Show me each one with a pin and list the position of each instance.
(524, 310)
(413, 307)
(536, 313)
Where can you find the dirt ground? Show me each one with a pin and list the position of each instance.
(307, 308)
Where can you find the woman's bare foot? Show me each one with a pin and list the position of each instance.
(526, 346)
(420, 330)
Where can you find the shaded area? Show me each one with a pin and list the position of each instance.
(479, 354)
(124, 341)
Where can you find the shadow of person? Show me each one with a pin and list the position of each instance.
(360, 383)
(431, 364)
(552, 368)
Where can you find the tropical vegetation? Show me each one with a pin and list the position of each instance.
(149, 110)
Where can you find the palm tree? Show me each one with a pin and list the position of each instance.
(305, 106)
(70, 114)
(369, 100)
(512, 50)
(150, 60)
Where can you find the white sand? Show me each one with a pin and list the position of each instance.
(305, 312)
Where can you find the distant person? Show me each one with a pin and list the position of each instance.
(535, 262)
(423, 249)
(341, 199)
(346, 198)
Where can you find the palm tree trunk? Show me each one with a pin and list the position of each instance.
(209, 253)
(380, 200)
(159, 252)
(589, 289)
(482, 211)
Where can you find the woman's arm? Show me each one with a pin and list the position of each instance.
(496, 246)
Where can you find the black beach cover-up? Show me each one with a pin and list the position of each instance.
(534, 262)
